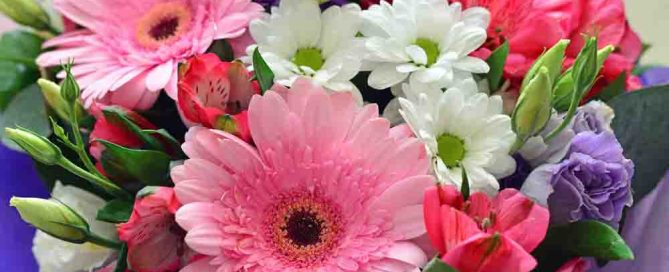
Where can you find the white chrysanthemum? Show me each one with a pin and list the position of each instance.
(461, 127)
(427, 39)
(297, 40)
(54, 255)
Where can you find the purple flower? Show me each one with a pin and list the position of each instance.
(595, 116)
(592, 182)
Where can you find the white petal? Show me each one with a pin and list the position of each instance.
(417, 54)
(385, 75)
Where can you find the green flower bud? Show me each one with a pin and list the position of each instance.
(534, 106)
(70, 90)
(565, 84)
(51, 93)
(53, 218)
(551, 59)
(26, 12)
(38, 147)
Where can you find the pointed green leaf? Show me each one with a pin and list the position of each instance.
(586, 238)
(126, 165)
(465, 184)
(496, 61)
(122, 262)
(437, 265)
(262, 72)
(115, 211)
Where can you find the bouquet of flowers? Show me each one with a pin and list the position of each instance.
(304, 135)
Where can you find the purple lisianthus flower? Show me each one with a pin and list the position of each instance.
(595, 116)
(592, 182)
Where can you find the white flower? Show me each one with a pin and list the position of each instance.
(297, 40)
(461, 127)
(54, 255)
(429, 39)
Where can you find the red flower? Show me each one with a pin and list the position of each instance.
(113, 132)
(216, 94)
(481, 234)
(575, 265)
(155, 241)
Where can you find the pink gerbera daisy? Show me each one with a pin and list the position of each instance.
(130, 49)
(329, 187)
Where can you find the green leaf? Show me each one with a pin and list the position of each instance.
(169, 143)
(115, 211)
(122, 261)
(119, 117)
(128, 166)
(496, 61)
(580, 239)
(222, 49)
(18, 50)
(20, 47)
(437, 265)
(615, 88)
(464, 189)
(642, 127)
(262, 72)
(26, 110)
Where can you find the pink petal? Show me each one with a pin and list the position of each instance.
(490, 253)
(408, 253)
(409, 191)
(158, 78)
(456, 227)
(192, 215)
(408, 222)
(205, 239)
(202, 265)
(520, 219)
(479, 205)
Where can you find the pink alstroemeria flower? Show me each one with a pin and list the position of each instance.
(216, 94)
(483, 234)
(155, 241)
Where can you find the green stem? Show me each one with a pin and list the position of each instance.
(105, 184)
(101, 241)
(517, 145)
(79, 142)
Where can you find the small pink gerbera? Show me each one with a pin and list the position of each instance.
(329, 187)
(130, 49)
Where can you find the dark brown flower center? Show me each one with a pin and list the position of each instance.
(304, 228)
(165, 29)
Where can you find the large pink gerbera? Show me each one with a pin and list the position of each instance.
(130, 49)
(329, 187)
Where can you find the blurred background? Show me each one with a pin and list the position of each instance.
(648, 17)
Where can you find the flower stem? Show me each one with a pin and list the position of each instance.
(101, 241)
(79, 142)
(105, 184)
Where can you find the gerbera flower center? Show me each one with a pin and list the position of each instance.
(163, 24)
(431, 50)
(451, 150)
(309, 57)
(304, 228)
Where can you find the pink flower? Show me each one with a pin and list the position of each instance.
(328, 187)
(130, 50)
(155, 241)
(113, 132)
(481, 234)
(575, 265)
(216, 94)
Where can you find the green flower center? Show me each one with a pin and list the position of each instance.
(431, 50)
(451, 150)
(310, 57)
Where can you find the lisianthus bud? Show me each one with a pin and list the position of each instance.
(26, 12)
(53, 218)
(534, 106)
(70, 89)
(552, 60)
(51, 93)
(565, 84)
(38, 147)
